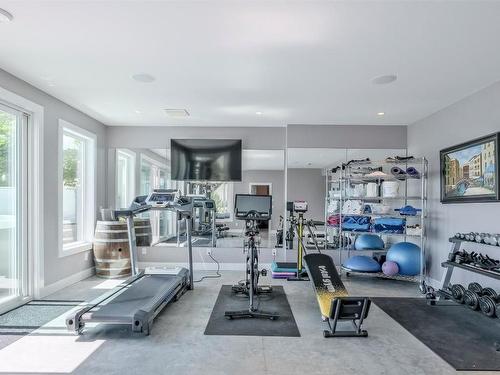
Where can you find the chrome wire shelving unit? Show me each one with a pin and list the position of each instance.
(350, 184)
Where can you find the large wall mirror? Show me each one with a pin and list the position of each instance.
(137, 171)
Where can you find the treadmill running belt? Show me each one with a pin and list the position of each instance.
(136, 296)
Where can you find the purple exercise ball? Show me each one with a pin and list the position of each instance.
(390, 268)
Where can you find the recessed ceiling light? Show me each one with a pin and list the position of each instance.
(5, 16)
(384, 79)
(258, 113)
(172, 112)
(380, 113)
(138, 112)
(143, 77)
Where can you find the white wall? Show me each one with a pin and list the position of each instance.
(472, 117)
(56, 268)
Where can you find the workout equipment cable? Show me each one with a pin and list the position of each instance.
(217, 272)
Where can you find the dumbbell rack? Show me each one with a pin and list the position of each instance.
(450, 266)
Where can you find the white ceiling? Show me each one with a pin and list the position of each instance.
(295, 61)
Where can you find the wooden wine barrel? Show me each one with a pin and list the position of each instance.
(111, 249)
(143, 234)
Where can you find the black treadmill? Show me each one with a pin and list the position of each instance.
(140, 298)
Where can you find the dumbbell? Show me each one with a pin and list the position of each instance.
(470, 236)
(472, 295)
(489, 303)
(481, 237)
(458, 292)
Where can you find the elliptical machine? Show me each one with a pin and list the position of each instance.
(252, 209)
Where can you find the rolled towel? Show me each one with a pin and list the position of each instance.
(398, 172)
(412, 172)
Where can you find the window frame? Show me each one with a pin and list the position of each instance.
(131, 170)
(154, 183)
(88, 186)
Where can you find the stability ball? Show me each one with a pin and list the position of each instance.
(390, 268)
(407, 257)
(369, 242)
(361, 263)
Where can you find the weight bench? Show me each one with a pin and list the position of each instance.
(334, 303)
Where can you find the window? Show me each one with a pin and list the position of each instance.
(223, 197)
(146, 176)
(125, 177)
(77, 188)
(154, 175)
(13, 254)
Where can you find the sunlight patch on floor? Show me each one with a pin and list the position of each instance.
(108, 284)
(49, 349)
(46, 354)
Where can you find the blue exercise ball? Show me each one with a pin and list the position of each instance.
(369, 242)
(407, 256)
(362, 263)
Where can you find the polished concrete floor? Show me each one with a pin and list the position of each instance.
(177, 344)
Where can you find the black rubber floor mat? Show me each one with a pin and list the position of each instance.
(274, 302)
(24, 319)
(466, 339)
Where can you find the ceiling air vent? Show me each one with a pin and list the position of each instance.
(177, 112)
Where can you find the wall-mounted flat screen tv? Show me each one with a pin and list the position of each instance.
(205, 159)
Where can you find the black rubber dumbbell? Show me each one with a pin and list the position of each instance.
(472, 295)
(458, 292)
(489, 303)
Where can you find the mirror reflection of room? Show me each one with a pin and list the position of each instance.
(140, 171)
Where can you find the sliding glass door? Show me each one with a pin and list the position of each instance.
(13, 200)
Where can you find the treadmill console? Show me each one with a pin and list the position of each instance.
(250, 206)
(162, 198)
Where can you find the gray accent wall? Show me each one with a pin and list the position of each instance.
(57, 268)
(347, 136)
(472, 117)
(262, 138)
(308, 185)
(276, 178)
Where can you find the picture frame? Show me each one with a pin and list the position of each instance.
(469, 172)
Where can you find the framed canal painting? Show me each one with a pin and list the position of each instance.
(469, 171)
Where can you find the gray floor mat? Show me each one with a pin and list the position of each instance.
(275, 302)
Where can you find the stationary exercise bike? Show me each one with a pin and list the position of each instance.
(252, 209)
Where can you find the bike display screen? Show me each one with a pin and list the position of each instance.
(261, 204)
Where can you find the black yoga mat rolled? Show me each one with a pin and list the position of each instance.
(276, 301)
(464, 338)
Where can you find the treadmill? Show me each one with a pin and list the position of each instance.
(140, 298)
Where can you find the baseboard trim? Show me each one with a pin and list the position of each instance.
(63, 283)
